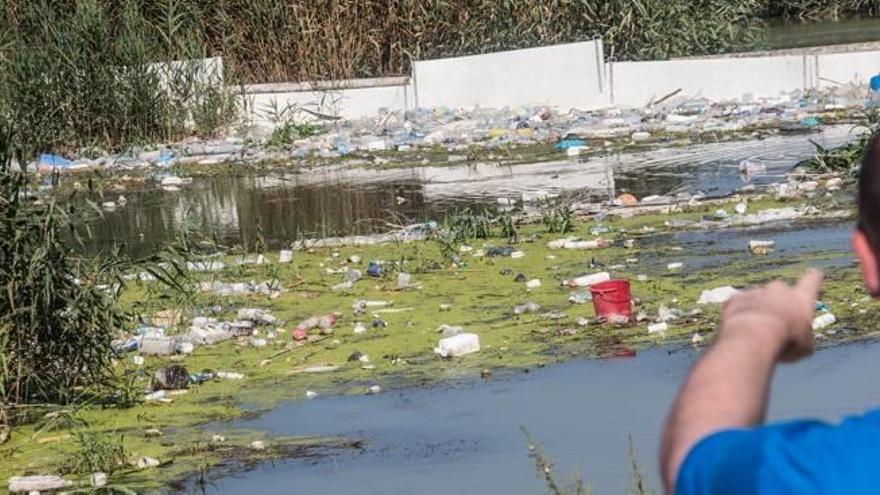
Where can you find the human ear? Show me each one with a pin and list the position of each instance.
(868, 261)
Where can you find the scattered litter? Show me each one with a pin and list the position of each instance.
(580, 297)
(528, 307)
(449, 331)
(575, 243)
(641, 136)
(696, 339)
(675, 266)
(147, 462)
(665, 314)
(258, 445)
(661, 327)
(718, 295)
(155, 396)
(823, 321)
(626, 199)
(373, 390)
(37, 483)
(285, 256)
(310, 394)
(374, 269)
(749, 168)
(98, 480)
(533, 284)
(761, 248)
(588, 280)
(458, 345)
(319, 369)
(170, 378)
(229, 375)
(358, 356)
(741, 208)
(565, 144)
(323, 323)
(500, 252)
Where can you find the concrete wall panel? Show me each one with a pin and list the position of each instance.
(565, 76)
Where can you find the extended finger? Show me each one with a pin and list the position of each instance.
(810, 283)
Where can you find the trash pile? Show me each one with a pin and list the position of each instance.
(572, 132)
(253, 326)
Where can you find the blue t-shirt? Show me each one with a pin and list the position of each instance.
(798, 457)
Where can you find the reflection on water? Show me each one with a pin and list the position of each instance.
(466, 438)
(284, 207)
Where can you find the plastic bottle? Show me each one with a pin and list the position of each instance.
(588, 280)
(229, 375)
(285, 256)
(823, 321)
(458, 345)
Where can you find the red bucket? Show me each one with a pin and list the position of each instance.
(612, 300)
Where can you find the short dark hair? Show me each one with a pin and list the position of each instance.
(869, 192)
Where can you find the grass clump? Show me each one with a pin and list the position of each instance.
(97, 453)
(845, 158)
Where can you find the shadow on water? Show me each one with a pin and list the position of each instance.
(284, 207)
(466, 438)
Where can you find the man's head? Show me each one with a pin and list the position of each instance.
(866, 237)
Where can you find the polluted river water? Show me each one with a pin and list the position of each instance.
(284, 207)
(466, 437)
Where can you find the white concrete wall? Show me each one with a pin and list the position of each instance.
(349, 103)
(635, 84)
(843, 68)
(565, 76)
(205, 71)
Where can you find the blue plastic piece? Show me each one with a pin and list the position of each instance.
(165, 157)
(50, 160)
(374, 269)
(810, 122)
(570, 143)
(875, 83)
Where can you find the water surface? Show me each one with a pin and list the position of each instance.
(282, 207)
(466, 438)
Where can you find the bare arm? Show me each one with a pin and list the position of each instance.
(728, 386)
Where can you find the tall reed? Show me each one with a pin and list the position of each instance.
(91, 73)
(57, 318)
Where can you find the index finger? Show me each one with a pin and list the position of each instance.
(810, 283)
